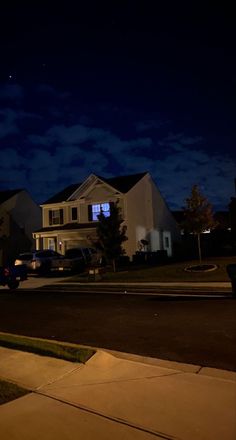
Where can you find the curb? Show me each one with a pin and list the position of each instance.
(179, 366)
(164, 363)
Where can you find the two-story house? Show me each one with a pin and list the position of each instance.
(19, 217)
(70, 217)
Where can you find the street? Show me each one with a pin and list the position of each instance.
(192, 330)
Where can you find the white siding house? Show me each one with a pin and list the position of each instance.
(70, 217)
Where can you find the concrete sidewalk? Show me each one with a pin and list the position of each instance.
(118, 398)
(210, 288)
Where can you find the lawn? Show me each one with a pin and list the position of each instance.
(173, 272)
(9, 391)
(68, 352)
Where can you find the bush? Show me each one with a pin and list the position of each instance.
(150, 258)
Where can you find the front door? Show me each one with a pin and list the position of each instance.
(52, 244)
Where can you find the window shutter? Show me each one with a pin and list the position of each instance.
(111, 205)
(61, 216)
(50, 216)
(90, 217)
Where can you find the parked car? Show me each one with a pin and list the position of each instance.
(12, 275)
(75, 260)
(37, 261)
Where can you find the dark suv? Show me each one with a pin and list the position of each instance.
(37, 261)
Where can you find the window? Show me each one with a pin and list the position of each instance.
(167, 243)
(56, 217)
(95, 210)
(74, 213)
(51, 244)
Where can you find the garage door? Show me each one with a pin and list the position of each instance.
(70, 244)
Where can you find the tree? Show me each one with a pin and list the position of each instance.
(111, 234)
(198, 215)
(1, 239)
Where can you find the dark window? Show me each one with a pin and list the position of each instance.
(74, 213)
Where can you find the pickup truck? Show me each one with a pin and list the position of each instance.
(12, 275)
(74, 261)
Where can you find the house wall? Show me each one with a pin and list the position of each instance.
(21, 217)
(138, 215)
(149, 218)
(98, 194)
(24, 212)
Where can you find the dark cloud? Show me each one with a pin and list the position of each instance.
(79, 134)
(44, 172)
(50, 91)
(149, 125)
(8, 125)
(11, 91)
(9, 119)
(47, 156)
(183, 167)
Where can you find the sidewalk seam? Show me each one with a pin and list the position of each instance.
(59, 377)
(111, 418)
(201, 367)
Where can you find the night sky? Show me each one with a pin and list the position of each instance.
(118, 88)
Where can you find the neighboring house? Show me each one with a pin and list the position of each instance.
(20, 216)
(70, 217)
(232, 212)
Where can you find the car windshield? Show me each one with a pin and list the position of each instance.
(73, 253)
(25, 257)
(47, 254)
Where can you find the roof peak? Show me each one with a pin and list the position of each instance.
(6, 194)
(121, 183)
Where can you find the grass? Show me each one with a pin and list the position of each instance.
(9, 391)
(173, 272)
(68, 352)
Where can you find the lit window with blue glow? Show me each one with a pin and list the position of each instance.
(98, 208)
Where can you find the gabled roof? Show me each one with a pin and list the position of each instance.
(63, 195)
(120, 183)
(123, 183)
(7, 194)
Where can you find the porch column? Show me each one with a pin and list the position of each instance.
(37, 242)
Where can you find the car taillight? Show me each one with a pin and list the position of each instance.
(35, 263)
(6, 272)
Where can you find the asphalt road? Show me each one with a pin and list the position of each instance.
(191, 330)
